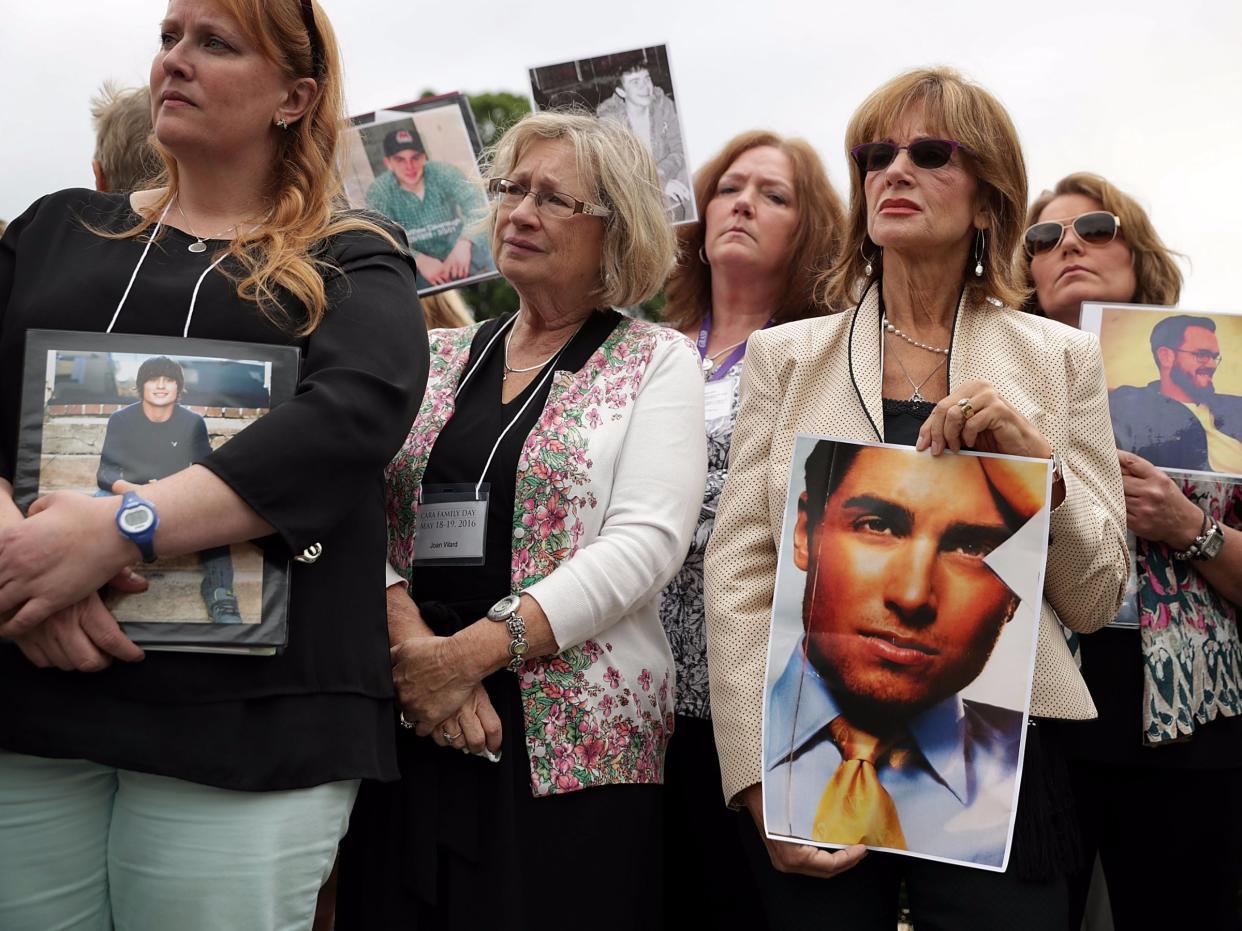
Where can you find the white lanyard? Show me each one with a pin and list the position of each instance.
(473, 368)
(142, 258)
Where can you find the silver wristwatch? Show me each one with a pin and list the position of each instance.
(1206, 545)
(505, 612)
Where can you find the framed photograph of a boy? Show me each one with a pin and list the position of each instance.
(634, 88)
(107, 413)
(417, 163)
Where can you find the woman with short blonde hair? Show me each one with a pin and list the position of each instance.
(562, 446)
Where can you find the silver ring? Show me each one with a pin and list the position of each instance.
(450, 737)
(406, 722)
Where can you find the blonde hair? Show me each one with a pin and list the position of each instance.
(446, 310)
(620, 174)
(813, 247)
(122, 121)
(305, 185)
(963, 111)
(1157, 278)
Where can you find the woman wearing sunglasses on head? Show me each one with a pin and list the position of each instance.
(1163, 714)
(544, 496)
(190, 790)
(928, 350)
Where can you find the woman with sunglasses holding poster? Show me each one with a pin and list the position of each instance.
(929, 350)
(189, 790)
(1163, 713)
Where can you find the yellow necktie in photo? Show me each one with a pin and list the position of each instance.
(855, 808)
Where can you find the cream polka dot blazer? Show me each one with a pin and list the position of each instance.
(824, 376)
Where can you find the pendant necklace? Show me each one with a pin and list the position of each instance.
(709, 362)
(201, 244)
(918, 393)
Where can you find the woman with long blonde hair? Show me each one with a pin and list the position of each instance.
(197, 790)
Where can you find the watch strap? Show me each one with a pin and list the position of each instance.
(1206, 545)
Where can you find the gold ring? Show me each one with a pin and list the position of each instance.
(968, 409)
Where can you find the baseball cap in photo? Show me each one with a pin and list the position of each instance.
(400, 139)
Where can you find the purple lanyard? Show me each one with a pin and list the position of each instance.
(732, 359)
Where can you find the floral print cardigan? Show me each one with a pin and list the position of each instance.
(608, 489)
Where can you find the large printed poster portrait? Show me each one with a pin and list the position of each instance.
(902, 648)
(418, 164)
(1174, 385)
(105, 414)
(634, 88)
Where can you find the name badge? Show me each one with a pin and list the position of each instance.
(717, 399)
(452, 526)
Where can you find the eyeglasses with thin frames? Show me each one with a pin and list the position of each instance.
(1202, 356)
(554, 203)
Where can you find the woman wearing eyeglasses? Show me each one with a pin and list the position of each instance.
(928, 350)
(1170, 693)
(546, 493)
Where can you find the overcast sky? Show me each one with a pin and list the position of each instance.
(1146, 93)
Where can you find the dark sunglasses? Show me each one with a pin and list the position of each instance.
(926, 153)
(1097, 228)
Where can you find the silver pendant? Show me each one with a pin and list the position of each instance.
(917, 397)
(197, 247)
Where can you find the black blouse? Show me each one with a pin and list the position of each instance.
(312, 468)
(461, 450)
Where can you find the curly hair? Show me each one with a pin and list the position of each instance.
(304, 189)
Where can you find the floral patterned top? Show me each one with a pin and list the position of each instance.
(1192, 658)
(607, 488)
(681, 603)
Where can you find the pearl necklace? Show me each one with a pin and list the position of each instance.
(890, 328)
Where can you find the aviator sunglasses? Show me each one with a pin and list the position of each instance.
(1095, 228)
(925, 153)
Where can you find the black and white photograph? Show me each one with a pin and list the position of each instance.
(634, 88)
(417, 163)
(110, 414)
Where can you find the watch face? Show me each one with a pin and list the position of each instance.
(1212, 545)
(137, 519)
(504, 607)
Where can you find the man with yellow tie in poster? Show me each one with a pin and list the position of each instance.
(867, 738)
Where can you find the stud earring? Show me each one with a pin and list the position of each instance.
(280, 121)
(980, 243)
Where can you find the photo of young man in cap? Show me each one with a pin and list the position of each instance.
(438, 208)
